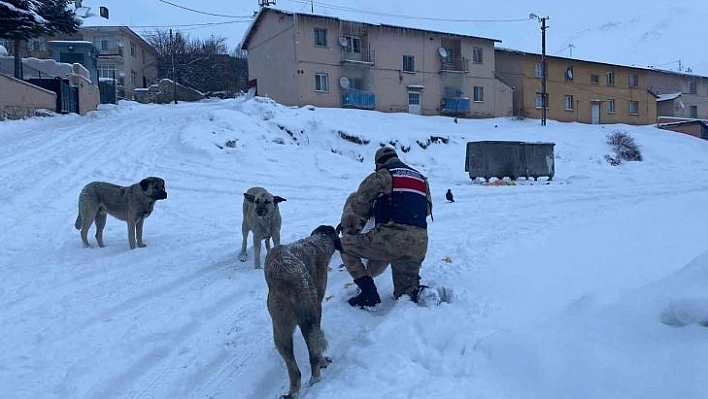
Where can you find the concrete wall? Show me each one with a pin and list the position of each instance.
(89, 95)
(271, 59)
(19, 99)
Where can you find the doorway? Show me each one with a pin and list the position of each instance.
(414, 102)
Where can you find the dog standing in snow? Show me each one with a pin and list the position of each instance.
(296, 275)
(261, 216)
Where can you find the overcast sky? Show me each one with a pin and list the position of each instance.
(658, 33)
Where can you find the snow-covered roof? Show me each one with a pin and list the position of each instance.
(668, 96)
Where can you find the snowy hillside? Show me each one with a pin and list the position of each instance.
(592, 285)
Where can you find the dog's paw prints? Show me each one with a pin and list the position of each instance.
(683, 312)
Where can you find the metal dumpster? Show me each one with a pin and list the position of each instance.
(512, 159)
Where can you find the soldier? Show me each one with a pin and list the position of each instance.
(400, 198)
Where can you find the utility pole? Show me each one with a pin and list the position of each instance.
(312, 6)
(174, 75)
(544, 94)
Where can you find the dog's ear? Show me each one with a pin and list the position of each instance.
(249, 197)
(278, 199)
(145, 183)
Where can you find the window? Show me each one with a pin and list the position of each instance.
(569, 105)
(595, 79)
(539, 70)
(353, 44)
(143, 53)
(610, 106)
(133, 76)
(321, 82)
(320, 37)
(408, 63)
(477, 55)
(633, 80)
(539, 100)
(133, 50)
(478, 94)
(107, 71)
(37, 44)
(693, 111)
(610, 78)
(633, 107)
(106, 43)
(692, 87)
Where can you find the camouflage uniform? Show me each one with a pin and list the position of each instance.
(404, 246)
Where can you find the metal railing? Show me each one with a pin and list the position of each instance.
(365, 57)
(453, 64)
(358, 99)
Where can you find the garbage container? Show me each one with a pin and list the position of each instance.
(512, 159)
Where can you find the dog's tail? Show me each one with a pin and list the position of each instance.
(77, 223)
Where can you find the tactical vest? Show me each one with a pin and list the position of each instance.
(407, 203)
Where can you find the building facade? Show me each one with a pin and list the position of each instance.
(577, 90)
(681, 95)
(300, 59)
(122, 55)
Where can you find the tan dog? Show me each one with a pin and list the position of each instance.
(131, 204)
(261, 216)
(296, 274)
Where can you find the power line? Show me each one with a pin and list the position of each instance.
(203, 12)
(354, 10)
(195, 26)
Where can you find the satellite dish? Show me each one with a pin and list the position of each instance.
(344, 82)
(443, 52)
(569, 73)
(343, 41)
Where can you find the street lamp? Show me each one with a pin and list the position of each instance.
(544, 95)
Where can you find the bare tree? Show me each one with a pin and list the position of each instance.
(203, 64)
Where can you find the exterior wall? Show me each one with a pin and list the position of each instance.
(283, 57)
(664, 82)
(666, 108)
(26, 98)
(510, 68)
(89, 95)
(585, 93)
(141, 66)
(697, 130)
(271, 60)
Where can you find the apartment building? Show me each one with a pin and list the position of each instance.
(300, 59)
(122, 54)
(577, 90)
(681, 95)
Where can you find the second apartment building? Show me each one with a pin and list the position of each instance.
(300, 59)
(577, 90)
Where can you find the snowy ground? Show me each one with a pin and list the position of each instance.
(591, 286)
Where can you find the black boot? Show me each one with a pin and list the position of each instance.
(368, 296)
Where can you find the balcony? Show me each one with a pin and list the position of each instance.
(454, 64)
(364, 58)
(352, 98)
(455, 105)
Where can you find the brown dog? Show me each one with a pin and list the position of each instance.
(132, 204)
(296, 274)
(261, 216)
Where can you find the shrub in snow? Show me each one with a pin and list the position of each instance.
(624, 147)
